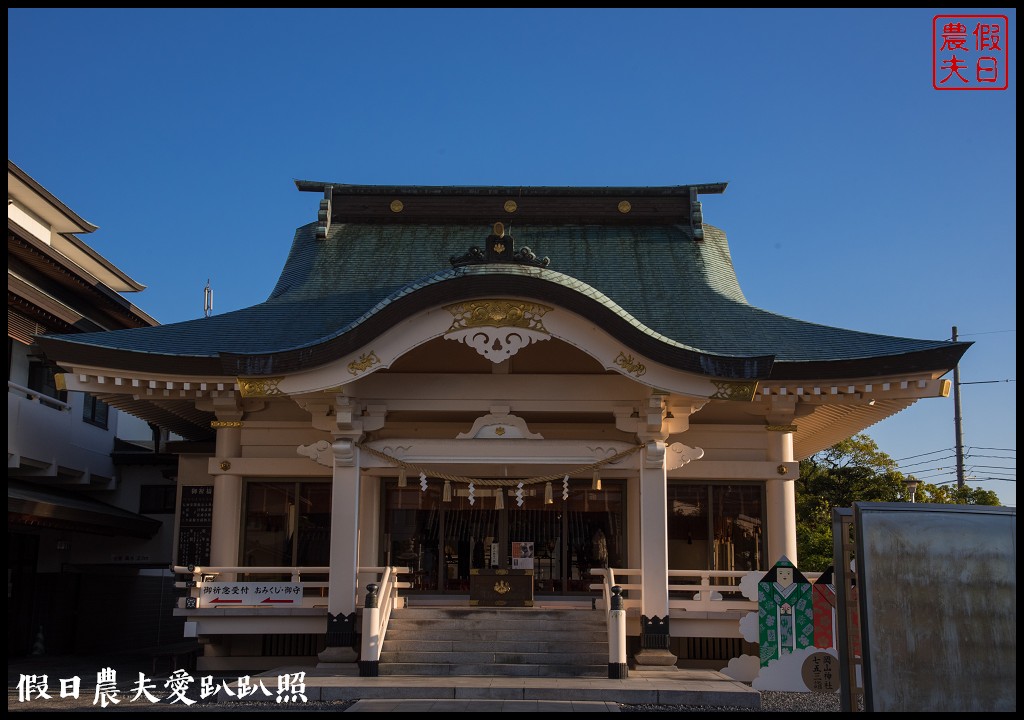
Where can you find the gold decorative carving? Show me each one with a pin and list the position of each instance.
(510, 206)
(780, 428)
(499, 431)
(397, 206)
(225, 465)
(259, 387)
(499, 247)
(627, 363)
(727, 390)
(225, 423)
(365, 362)
(497, 313)
(782, 469)
(625, 207)
(501, 587)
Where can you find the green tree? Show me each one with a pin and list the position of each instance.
(855, 470)
(951, 495)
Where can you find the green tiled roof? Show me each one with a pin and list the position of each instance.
(657, 280)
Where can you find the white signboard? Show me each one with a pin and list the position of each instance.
(264, 594)
(522, 555)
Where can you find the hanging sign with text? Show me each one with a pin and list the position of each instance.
(237, 594)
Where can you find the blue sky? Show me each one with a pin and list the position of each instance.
(859, 196)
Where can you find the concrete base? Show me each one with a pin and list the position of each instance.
(647, 659)
(338, 655)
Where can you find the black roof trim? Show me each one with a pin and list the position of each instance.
(511, 190)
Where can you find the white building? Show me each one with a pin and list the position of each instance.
(431, 356)
(89, 529)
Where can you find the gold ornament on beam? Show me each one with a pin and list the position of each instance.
(365, 362)
(259, 387)
(730, 390)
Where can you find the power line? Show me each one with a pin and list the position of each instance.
(990, 332)
(929, 460)
(967, 454)
(932, 453)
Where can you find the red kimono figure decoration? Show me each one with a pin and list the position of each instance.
(825, 625)
(826, 614)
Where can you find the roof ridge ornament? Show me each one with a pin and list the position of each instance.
(323, 218)
(500, 248)
(696, 216)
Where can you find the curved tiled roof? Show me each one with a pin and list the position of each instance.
(657, 289)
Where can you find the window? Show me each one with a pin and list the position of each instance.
(157, 499)
(287, 523)
(40, 379)
(95, 411)
(716, 526)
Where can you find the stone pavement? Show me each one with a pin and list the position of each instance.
(380, 694)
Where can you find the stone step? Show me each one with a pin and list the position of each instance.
(496, 621)
(406, 644)
(489, 670)
(494, 635)
(461, 657)
(504, 613)
(513, 642)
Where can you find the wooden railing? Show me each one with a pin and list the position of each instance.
(381, 599)
(688, 590)
(314, 593)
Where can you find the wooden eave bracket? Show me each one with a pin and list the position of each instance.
(696, 216)
(323, 225)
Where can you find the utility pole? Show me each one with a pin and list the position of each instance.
(958, 424)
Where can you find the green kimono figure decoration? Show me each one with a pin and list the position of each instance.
(785, 611)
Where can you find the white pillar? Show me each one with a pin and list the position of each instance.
(225, 535)
(781, 496)
(654, 620)
(341, 602)
(654, 530)
(369, 512)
